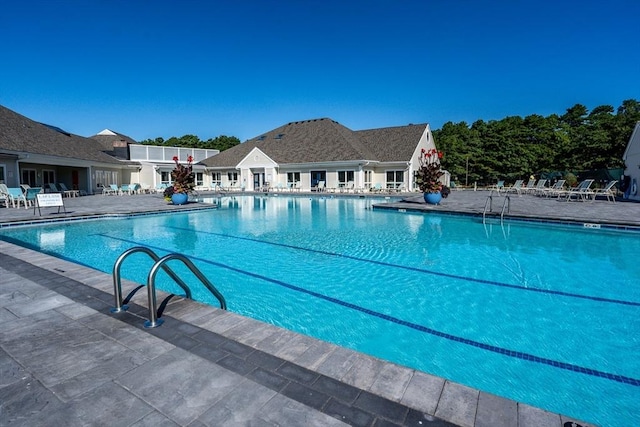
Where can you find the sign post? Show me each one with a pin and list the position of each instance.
(47, 200)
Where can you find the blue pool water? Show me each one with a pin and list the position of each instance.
(546, 315)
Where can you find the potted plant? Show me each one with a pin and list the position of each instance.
(183, 182)
(428, 176)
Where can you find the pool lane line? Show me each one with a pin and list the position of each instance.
(495, 349)
(422, 270)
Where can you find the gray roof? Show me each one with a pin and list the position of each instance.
(107, 141)
(325, 140)
(21, 134)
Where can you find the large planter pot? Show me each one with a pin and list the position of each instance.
(179, 198)
(433, 198)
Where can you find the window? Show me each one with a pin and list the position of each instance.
(395, 179)
(2, 175)
(216, 179)
(293, 177)
(232, 177)
(199, 179)
(48, 177)
(28, 177)
(368, 175)
(165, 177)
(106, 178)
(344, 177)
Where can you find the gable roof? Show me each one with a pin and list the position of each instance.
(325, 140)
(109, 139)
(20, 134)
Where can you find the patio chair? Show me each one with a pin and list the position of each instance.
(530, 186)
(516, 187)
(539, 188)
(52, 188)
(16, 197)
(554, 189)
(498, 186)
(608, 191)
(31, 195)
(377, 188)
(581, 192)
(111, 190)
(66, 192)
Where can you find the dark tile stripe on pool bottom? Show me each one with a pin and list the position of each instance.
(495, 349)
(413, 269)
(340, 400)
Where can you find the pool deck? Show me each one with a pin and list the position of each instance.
(65, 359)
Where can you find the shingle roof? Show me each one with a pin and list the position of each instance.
(21, 134)
(394, 143)
(106, 139)
(325, 140)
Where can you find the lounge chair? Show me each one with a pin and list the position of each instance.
(531, 185)
(498, 186)
(581, 192)
(608, 191)
(516, 187)
(52, 188)
(554, 189)
(31, 195)
(111, 190)
(377, 188)
(16, 197)
(539, 188)
(4, 196)
(68, 193)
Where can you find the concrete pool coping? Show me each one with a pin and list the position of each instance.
(258, 372)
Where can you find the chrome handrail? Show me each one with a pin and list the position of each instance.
(117, 283)
(151, 287)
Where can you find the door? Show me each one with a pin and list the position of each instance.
(75, 179)
(317, 176)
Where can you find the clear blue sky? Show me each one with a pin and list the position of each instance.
(240, 68)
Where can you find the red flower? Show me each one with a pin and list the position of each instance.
(190, 159)
(175, 158)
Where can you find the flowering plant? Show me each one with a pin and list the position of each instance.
(182, 177)
(429, 173)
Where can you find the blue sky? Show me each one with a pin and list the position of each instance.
(241, 68)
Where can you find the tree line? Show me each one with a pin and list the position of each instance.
(221, 142)
(515, 148)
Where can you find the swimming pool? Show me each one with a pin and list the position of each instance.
(547, 315)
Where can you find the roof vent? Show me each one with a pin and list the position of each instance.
(261, 137)
(279, 136)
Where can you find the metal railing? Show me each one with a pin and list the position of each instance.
(488, 206)
(154, 311)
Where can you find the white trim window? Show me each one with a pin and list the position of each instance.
(216, 179)
(368, 177)
(344, 177)
(199, 179)
(293, 178)
(232, 177)
(105, 178)
(395, 179)
(3, 174)
(165, 177)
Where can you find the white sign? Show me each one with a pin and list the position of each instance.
(49, 199)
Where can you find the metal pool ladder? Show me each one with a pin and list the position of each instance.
(488, 206)
(154, 312)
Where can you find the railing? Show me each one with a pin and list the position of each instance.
(154, 311)
(488, 206)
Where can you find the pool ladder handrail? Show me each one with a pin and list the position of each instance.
(154, 311)
(489, 203)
